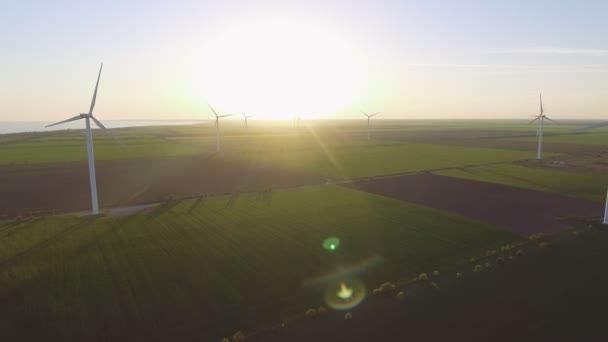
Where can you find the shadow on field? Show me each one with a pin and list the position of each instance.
(23, 255)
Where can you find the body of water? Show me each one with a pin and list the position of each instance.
(7, 127)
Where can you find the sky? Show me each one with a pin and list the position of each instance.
(166, 60)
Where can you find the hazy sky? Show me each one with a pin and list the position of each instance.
(410, 59)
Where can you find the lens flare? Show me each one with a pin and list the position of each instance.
(345, 294)
(331, 243)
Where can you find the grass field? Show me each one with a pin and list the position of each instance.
(151, 142)
(584, 185)
(199, 269)
(595, 137)
(365, 161)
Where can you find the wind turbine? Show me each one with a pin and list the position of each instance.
(369, 116)
(217, 126)
(541, 117)
(87, 117)
(245, 116)
(296, 121)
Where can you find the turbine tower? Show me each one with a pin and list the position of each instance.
(541, 117)
(87, 117)
(217, 126)
(296, 121)
(245, 116)
(369, 116)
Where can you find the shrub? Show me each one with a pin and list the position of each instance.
(239, 336)
(472, 260)
(458, 275)
(436, 273)
(536, 237)
(377, 291)
(500, 261)
(478, 268)
(519, 253)
(311, 313)
(387, 287)
(348, 316)
(225, 340)
(434, 285)
(423, 276)
(401, 295)
(543, 244)
(488, 265)
(321, 310)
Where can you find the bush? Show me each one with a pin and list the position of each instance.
(500, 261)
(311, 313)
(239, 336)
(478, 268)
(488, 265)
(423, 276)
(519, 253)
(321, 310)
(543, 244)
(536, 237)
(387, 287)
(434, 285)
(377, 291)
(436, 273)
(401, 295)
(458, 275)
(348, 316)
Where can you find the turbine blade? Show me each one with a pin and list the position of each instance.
(541, 102)
(77, 117)
(364, 113)
(213, 110)
(95, 92)
(555, 122)
(108, 132)
(223, 116)
(374, 114)
(538, 117)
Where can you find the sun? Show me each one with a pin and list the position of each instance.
(275, 67)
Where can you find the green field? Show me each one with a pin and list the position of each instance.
(366, 161)
(196, 269)
(585, 185)
(595, 137)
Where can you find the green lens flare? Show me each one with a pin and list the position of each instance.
(331, 243)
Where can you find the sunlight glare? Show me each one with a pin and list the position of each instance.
(274, 67)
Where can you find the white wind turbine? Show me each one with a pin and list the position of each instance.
(369, 116)
(541, 117)
(245, 116)
(217, 126)
(87, 117)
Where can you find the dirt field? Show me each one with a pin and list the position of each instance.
(519, 210)
(65, 187)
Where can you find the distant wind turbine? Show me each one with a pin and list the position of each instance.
(87, 117)
(541, 117)
(217, 126)
(296, 121)
(245, 116)
(369, 116)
